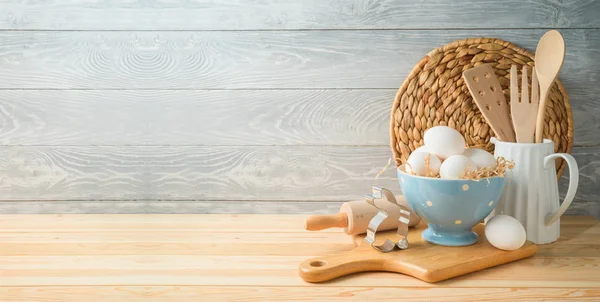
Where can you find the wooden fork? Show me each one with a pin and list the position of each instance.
(524, 111)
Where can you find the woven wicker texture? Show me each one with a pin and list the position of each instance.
(434, 93)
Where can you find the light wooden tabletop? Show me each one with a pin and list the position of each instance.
(251, 258)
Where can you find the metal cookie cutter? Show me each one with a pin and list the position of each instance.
(382, 215)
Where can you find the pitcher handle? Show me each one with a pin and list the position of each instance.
(573, 183)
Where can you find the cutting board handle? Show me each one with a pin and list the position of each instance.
(320, 269)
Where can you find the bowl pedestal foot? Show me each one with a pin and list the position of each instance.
(450, 239)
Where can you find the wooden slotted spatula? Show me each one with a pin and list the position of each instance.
(487, 94)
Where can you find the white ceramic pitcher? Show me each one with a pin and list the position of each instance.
(531, 189)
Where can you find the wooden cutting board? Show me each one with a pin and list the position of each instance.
(422, 260)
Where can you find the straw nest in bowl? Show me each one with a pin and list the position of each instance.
(502, 165)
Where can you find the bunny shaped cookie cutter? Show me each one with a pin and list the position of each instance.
(402, 232)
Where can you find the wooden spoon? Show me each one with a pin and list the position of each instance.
(549, 58)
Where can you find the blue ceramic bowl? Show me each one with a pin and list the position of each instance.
(450, 207)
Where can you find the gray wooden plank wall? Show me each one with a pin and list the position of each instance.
(241, 106)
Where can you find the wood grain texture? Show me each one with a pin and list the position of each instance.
(221, 117)
(288, 14)
(194, 235)
(202, 207)
(538, 275)
(184, 250)
(151, 222)
(280, 173)
(274, 293)
(266, 74)
(209, 222)
(205, 236)
(191, 173)
(142, 248)
(206, 117)
(250, 59)
(172, 207)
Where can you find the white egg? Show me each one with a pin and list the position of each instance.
(505, 232)
(456, 166)
(444, 141)
(481, 158)
(416, 163)
(421, 149)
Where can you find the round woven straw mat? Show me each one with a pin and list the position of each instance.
(434, 93)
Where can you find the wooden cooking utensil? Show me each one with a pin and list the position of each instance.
(549, 58)
(422, 260)
(524, 110)
(535, 93)
(354, 217)
(487, 94)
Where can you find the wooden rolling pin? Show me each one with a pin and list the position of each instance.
(354, 217)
